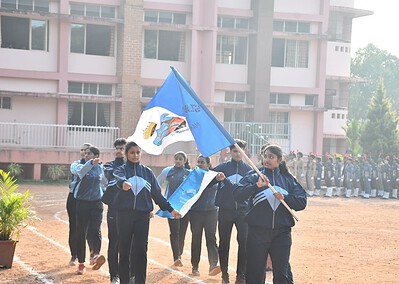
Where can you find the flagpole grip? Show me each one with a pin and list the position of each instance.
(260, 174)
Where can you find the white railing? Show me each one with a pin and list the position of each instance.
(55, 136)
(259, 133)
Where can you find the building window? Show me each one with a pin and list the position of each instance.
(309, 100)
(22, 33)
(235, 115)
(148, 92)
(279, 99)
(291, 27)
(236, 97)
(5, 102)
(280, 123)
(231, 50)
(290, 53)
(89, 114)
(333, 115)
(233, 23)
(91, 10)
(164, 17)
(92, 39)
(25, 5)
(164, 45)
(90, 88)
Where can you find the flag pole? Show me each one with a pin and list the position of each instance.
(249, 161)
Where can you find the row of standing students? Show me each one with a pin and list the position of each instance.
(238, 197)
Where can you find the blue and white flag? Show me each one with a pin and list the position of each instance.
(189, 191)
(176, 114)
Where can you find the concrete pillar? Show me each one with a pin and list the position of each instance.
(37, 171)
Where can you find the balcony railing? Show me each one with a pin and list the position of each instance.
(55, 136)
(257, 134)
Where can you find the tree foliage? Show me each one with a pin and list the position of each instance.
(380, 133)
(372, 64)
(353, 130)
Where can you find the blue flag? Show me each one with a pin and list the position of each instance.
(175, 114)
(189, 191)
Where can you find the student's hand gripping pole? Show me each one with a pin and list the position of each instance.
(249, 161)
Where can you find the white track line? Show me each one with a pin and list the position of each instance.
(39, 276)
(57, 244)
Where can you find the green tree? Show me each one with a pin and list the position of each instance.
(380, 133)
(372, 64)
(353, 130)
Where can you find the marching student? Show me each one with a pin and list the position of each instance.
(138, 187)
(348, 177)
(337, 176)
(318, 176)
(71, 205)
(203, 217)
(386, 178)
(109, 198)
(395, 177)
(232, 213)
(175, 175)
(269, 222)
(329, 177)
(299, 168)
(310, 174)
(366, 176)
(356, 178)
(89, 208)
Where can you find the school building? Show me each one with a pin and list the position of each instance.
(82, 71)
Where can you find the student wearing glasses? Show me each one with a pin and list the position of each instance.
(203, 217)
(269, 222)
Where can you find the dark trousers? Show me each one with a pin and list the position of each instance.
(133, 238)
(226, 220)
(178, 229)
(113, 257)
(260, 243)
(89, 215)
(71, 210)
(203, 221)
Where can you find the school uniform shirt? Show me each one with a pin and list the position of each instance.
(111, 191)
(92, 182)
(145, 188)
(234, 172)
(174, 176)
(265, 210)
(75, 166)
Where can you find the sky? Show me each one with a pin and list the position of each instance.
(379, 28)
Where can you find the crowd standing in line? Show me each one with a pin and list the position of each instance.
(349, 176)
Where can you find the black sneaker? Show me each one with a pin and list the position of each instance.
(240, 279)
(225, 279)
(195, 272)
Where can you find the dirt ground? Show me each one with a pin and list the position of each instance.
(337, 240)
